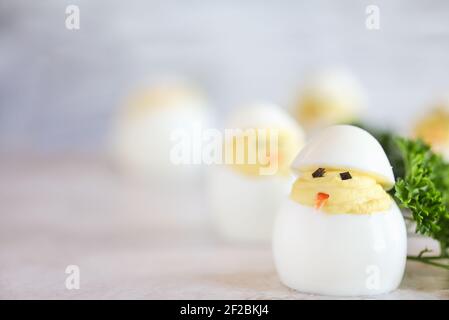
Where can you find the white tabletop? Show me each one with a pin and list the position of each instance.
(133, 241)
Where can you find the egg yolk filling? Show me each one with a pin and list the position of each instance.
(434, 129)
(340, 191)
(267, 153)
(161, 97)
(313, 108)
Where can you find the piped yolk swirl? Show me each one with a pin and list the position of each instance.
(361, 194)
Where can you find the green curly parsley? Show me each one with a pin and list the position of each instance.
(424, 190)
(422, 187)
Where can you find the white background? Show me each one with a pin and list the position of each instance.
(59, 89)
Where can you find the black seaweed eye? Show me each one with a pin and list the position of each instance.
(345, 175)
(318, 173)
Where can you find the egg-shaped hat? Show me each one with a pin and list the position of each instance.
(346, 147)
(262, 115)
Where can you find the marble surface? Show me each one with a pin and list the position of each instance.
(133, 241)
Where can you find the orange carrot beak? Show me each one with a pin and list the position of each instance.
(320, 200)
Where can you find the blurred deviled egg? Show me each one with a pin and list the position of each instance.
(340, 233)
(329, 96)
(245, 194)
(142, 135)
(434, 128)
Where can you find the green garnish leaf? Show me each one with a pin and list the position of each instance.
(422, 183)
(424, 189)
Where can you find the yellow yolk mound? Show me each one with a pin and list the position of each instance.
(163, 96)
(314, 109)
(359, 195)
(260, 152)
(434, 129)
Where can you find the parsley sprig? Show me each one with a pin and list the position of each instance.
(424, 190)
(422, 187)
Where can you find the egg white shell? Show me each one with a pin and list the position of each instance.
(337, 84)
(142, 144)
(349, 147)
(263, 115)
(443, 102)
(244, 207)
(339, 254)
(442, 148)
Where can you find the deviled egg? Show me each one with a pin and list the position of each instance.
(245, 195)
(330, 96)
(339, 232)
(143, 128)
(434, 128)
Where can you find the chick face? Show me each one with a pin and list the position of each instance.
(340, 190)
(259, 152)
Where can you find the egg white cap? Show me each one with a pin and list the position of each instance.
(443, 102)
(167, 93)
(336, 83)
(262, 115)
(346, 147)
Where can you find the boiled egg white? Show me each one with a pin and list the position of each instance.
(433, 128)
(141, 140)
(329, 96)
(243, 201)
(345, 146)
(350, 252)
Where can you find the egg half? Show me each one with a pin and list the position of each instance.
(339, 232)
(434, 128)
(243, 199)
(330, 96)
(141, 140)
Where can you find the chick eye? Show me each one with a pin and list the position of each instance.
(318, 173)
(345, 175)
